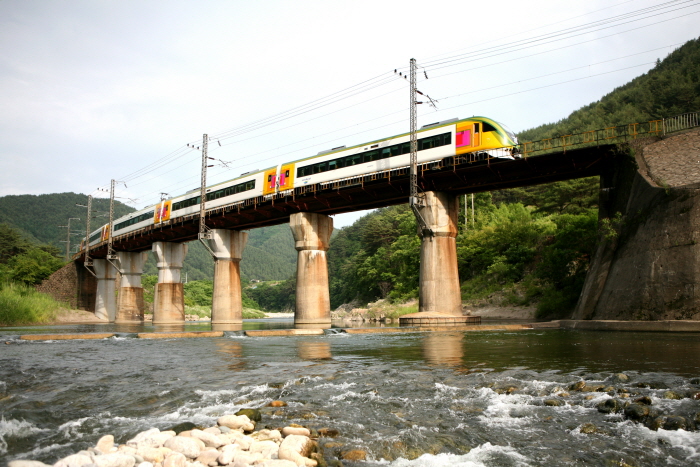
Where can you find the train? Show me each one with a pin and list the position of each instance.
(478, 138)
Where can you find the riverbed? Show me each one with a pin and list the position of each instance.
(399, 399)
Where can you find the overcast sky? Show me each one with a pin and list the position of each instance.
(97, 90)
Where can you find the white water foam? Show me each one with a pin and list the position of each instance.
(480, 456)
(15, 429)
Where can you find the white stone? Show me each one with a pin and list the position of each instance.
(295, 430)
(276, 463)
(240, 439)
(295, 447)
(236, 422)
(153, 438)
(117, 459)
(273, 435)
(246, 458)
(190, 447)
(213, 430)
(106, 444)
(209, 458)
(151, 454)
(175, 459)
(127, 449)
(22, 463)
(145, 464)
(268, 449)
(209, 440)
(75, 460)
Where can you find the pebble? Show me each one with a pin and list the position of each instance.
(209, 447)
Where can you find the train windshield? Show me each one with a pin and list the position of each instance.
(510, 134)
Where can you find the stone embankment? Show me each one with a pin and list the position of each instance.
(233, 442)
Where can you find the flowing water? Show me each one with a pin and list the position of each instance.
(405, 399)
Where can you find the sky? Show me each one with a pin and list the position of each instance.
(93, 91)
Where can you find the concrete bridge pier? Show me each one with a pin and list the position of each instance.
(438, 288)
(106, 299)
(169, 300)
(227, 306)
(312, 234)
(130, 306)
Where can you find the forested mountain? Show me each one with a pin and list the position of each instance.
(269, 253)
(671, 88)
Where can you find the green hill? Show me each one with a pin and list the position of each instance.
(269, 253)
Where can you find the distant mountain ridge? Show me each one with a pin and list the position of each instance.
(268, 255)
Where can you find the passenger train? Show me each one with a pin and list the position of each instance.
(478, 137)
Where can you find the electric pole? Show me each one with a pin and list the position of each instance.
(204, 233)
(414, 201)
(67, 240)
(88, 261)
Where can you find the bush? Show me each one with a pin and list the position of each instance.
(22, 304)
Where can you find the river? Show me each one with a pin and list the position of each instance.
(405, 399)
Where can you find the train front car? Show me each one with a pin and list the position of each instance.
(481, 138)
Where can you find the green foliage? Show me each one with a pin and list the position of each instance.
(32, 267)
(671, 88)
(199, 293)
(274, 296)
(22, 304)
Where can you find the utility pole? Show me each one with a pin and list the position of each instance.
(111, 254)
(204, 233)
(67, 240)
(414, 201)
(88, 261)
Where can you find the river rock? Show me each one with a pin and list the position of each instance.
(328, 432)
(209, 457)
(145, 464)
(588, 428)
(253, 414)
(277, 404)
(577, 386)
(268, 449)
(105, 444)
(236, 422)
(646, 400)
(620, 378)
(354, 455)
(228, 454)
(675, 422)
(184, 426)
(117, 459)
(22, 463)
(277, 463)
(553, 402)
(208, 439)
(265, 435)
(175, 459)
(637, 412)
(189, 447)
(153, 438)
(212, 430)
(297, 448)
(673, 395)
(244, 459)
(293, 430)
(75, 460)
(610, 406)
(153, 455)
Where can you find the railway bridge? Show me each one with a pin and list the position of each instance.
(307, 209)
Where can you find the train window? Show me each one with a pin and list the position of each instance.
(476, 128)
(386, 152)
(488, 127)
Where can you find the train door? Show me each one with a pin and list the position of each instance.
(161, 212)
(476, 140)
(467, 137)
(270, 181)
(285, 178)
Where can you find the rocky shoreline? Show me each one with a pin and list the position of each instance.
(233, 442)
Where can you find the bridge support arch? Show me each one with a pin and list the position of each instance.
(169, 300)
(227, 305)
(105, 298)
(130, 305)
(439, 290)
(312, 235)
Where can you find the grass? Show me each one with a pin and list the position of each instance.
(22, 304)
(391, 310)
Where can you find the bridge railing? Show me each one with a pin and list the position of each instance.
(610, 135)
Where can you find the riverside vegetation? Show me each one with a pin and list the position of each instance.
(527, 246)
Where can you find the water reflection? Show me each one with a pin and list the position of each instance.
(227, 327)
(314, 350)
(443, 349)
(232, 353)
(312, 326)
